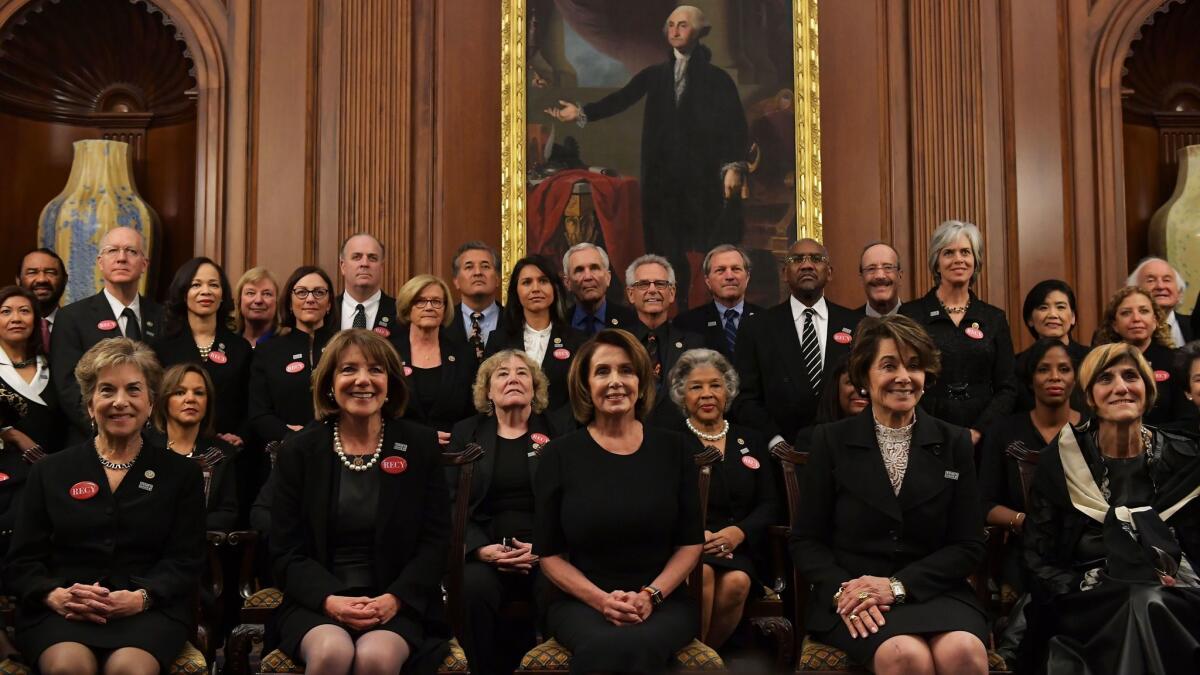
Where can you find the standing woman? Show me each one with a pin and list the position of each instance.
(1133, 317)
(617, 518)
(976, 385)
(198, 307)
(440, 370)
(109, 542)
(1049, 312)
(888, 528)
(255, 316)
(534, 323)
(360, 522)
(280, 400)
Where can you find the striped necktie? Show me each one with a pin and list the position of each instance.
(731, 316)
(810, 349)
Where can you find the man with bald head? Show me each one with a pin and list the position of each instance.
(783, 353)
(880, 271)
(362, 304)
(117, 310)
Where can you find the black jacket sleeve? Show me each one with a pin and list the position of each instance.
(300, 576)
(260, 414)
(26, 574)
(66, 348)
(619, 100)
(422, 576)
(177, 574)
(810, 541)
(1004, 380)
(750, 406)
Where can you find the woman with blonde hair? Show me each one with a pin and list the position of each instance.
(1131, 316)
(255, 313)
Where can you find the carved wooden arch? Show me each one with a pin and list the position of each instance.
(201, 23)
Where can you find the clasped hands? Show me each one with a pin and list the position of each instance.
(722, 542)
(93, 602)
(862, 602)
(625, 608)
(362, 613)
(518, 558)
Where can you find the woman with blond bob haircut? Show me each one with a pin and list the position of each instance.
(256, 305)
(1113, 535)
(359, 521)
(1133, 317)
(510, 395)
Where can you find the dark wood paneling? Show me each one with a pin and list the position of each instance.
(170, 187)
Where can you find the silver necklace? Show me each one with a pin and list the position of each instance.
(356, 462)
(118, 466)
(711, 438)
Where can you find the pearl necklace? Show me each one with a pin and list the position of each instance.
(711, 438)
(205, 351)
(118, 466)
(357, 463)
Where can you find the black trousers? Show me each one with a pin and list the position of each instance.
(493, 644)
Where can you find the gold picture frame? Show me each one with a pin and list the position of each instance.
(807, 102)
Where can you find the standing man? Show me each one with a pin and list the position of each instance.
(362, 304)
(115, 311)
(587, 274)
(879, 269)
(1164, 283)
(727, 275)
(476, 276)
(694, 142)
(650, 287)
(43, 273)
(783, 353)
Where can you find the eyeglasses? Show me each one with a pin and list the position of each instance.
(317, 293)
(645, 284)
(435, 303)
(798, 258)
(114, 251)
(888, 269)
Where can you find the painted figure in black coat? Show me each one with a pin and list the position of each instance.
(360, 262)
(694, 142)
(727, 274)
(115, 311)
(588, 274)
(476, 278)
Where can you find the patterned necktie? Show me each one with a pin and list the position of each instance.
(731, 316)
(477, 334)
(810, 349)
(360, 317)
(132, 330)
(652, 347)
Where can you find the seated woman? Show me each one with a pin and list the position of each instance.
(1112, 533)
(183, 422)
(840, 398)
(1049, 313)
(359, 521)
(109, 541)
(510, 394)
(617, 518)
(888, 528)
(743, 500)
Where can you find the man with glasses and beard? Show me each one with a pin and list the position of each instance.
(879, 268)
(43, 273)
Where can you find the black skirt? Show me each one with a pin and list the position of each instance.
(151, 631)
(598, 646)
(942, 614)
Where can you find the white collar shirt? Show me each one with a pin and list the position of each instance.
(118, 308)
(820, 321)
(350, 306)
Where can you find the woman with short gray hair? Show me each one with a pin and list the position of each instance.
(743, 498)
(978, 384)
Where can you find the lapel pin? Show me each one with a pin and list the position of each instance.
(934, 313)
(394, 465)
(150, 473)
(750, 463)
(107, 324)
(712, 324)
(745, 451)
(613, 321)
(557, 340)
(149, 324)
(741, 441)
(678, 344)
(952, 475)
(145, 486)
(297, 356)
(451, 358)
(400, 447)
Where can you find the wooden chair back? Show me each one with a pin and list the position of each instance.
(1027, 461)
(465, 462)
(790, 460)
(704, 462)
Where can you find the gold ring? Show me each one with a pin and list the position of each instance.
(853, 617)
(863, 595)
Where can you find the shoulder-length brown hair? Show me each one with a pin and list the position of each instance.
(1162, 328)
(171, 380)
(374, 349)
(906, 333)
(581, 372)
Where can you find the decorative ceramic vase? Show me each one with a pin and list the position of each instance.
(100, 195)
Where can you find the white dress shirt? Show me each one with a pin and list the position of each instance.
(350, 306)
(536, 342)
(117, 308)
(820, 322)
(871, 311)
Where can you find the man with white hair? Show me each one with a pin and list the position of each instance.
(694, 143)
(587, 274)
(1164, 283)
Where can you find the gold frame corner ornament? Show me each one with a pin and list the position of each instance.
(806, 94)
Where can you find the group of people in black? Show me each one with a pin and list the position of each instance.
(319, 418)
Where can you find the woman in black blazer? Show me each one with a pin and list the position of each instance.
(198, 308)
(510, 395)
(440, 370)
(360, 522)
(889, 527)
(534, 323)
(109, 541)
(743, 497)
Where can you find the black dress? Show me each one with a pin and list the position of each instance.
(31, 408)
(228, 364)
(1025, 400)
(281, 382)
(618, 543)
(441, 396)
(148, 534)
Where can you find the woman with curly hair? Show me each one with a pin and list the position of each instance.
(1133, 317)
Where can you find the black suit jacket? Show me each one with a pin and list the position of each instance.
(148, 534)
(482, 429)
(555, 368)
(453, 399)
(385, 317)
(851, 523)
(460, 334)
(281, 393)
(412, 525)
(616, 315)
(230, 372)
(776, 395)
(77, 329)
(708, 323)
(672, 343)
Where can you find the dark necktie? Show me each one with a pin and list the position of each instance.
(652, 347)
(590, 324)
(477, 334)
(45, 335)
(360, 317)
(731, 316)
(132, 330)
(810, 349)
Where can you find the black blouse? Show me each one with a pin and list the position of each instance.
(999, 475)
(509, 502)
(228, 364)
(281, 382)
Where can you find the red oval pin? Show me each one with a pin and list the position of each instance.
(382, 331)
(842, 338)
(750, 462)
(562, 354)
(107, 324)
(394, 464)
(1161, 376)
(3, 476)
(218, 358)
(540, 439)
(974, 333)
(294, 367)
(84, 489)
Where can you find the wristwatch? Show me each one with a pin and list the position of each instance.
(656, 596)
(897, 590)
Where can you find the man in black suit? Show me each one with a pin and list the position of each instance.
(783, 352)
(880, 271)
(362, 304)
(727, 275)
(115, 311)
(43, 273)
(476, 277)
(1164, 283)
(650, 287)
(587, 274)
